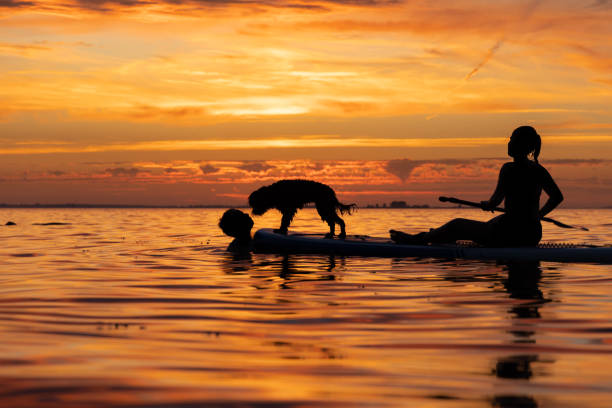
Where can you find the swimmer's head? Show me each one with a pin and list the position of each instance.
(236, 224)
(525, 141)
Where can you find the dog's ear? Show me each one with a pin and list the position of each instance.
(253, 197)
(259, 194)
(257, 201)
(261, 200)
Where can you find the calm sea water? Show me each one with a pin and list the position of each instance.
(144, 308)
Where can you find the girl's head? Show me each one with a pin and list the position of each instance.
(523, 142)
(236, 224)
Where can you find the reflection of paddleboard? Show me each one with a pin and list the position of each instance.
(268, 241)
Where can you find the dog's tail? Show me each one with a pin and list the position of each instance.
(346, 208)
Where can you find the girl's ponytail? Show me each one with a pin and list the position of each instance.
(537, 145)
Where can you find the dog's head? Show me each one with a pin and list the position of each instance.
(260, 201)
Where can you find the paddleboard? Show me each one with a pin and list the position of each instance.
(266, 240)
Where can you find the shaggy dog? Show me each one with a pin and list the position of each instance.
(287, 196)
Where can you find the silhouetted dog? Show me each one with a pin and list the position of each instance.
(287, 196)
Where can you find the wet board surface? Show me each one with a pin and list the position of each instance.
(268, 241)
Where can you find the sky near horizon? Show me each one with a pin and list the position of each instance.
(201, 101)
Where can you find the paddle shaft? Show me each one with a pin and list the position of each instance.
(473, 204)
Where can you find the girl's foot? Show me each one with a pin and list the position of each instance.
(400, 237)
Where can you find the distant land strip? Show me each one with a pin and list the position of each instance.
(2, 205)
(221, 206)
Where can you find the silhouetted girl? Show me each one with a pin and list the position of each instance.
(519, 185)
(237, 225)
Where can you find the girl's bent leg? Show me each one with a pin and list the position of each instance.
(459, 229)
(407, 239)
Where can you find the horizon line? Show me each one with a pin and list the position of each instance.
(220, 206)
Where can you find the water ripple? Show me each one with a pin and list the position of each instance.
(145, 308)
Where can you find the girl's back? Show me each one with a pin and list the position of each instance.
(522, 183)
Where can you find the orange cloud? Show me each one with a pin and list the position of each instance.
(21, 49)
(373, 172)
(365, 181)
(344, 86)
(156, 112)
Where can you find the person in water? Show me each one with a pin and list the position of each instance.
(238, 225)
(519, 185)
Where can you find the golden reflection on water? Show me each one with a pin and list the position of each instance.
(144, 308)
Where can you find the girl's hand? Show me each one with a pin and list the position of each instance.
(486, 206)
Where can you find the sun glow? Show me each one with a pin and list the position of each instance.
(305, 141)
(134, 81)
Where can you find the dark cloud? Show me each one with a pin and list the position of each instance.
(122, 171)
(255, 166)
(437, 52)
(421, 22)
(208, 169)
(100, 163)
(170, 170)
(24, 47)
(454, 162)
(104, 6)
(578, 162)
(311, 7)
(57, 173)
(491, 163)
(15, 4)
(402, 168)
(306, 4)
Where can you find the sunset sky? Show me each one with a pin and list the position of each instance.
(199, 102)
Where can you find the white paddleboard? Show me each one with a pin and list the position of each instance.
(266, 240)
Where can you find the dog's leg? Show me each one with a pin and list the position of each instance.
(286, 221)
(327, 214)
(340, 222)
(332, 228)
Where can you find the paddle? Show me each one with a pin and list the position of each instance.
(473, 204)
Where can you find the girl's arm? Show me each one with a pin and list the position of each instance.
(498, 195)
(554, 193)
